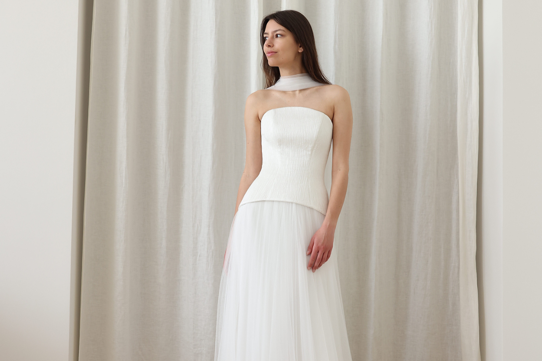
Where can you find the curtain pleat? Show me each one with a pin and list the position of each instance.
(84, 39)
(161, 150)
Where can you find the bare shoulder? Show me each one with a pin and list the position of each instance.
(259, 100)
(342, 107)
(338, 93)
(257, 97)
(253, 97)
(252, 105)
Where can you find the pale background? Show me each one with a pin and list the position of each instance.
(37, 91)
(38, 47)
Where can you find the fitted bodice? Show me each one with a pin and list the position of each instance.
(295, 147)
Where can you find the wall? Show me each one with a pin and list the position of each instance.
(37, 106)
(489, 256)
(522, 181)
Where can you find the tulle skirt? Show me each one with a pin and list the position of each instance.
(270, 306)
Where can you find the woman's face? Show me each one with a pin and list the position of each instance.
(280, 47)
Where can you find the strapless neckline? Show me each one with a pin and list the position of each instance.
(312, 109)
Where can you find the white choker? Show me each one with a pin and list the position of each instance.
(295, 82)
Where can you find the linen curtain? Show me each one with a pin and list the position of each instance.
(160, 148)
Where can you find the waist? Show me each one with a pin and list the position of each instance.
(299, 185)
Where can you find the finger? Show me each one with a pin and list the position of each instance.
(325, 257)
(315, 265)
(329, 253)
(310, 246)
(318, 260)
(314, 254)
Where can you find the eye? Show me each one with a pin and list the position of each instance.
(265, 38)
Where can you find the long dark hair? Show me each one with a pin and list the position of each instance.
(301, 29)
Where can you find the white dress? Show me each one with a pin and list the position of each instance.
(270, 306)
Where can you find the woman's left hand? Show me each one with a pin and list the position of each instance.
(320, 247)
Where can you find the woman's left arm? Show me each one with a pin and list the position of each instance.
(322, 242)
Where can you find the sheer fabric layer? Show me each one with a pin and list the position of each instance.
(295, 82)
(271, 307)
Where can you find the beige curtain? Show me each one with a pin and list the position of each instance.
(160, 148)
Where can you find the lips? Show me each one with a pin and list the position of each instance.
(270, 53)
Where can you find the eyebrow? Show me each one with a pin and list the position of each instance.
(274, 31)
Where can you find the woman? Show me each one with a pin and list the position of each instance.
(280, 295)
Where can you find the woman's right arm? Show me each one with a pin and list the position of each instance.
(253, 162)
